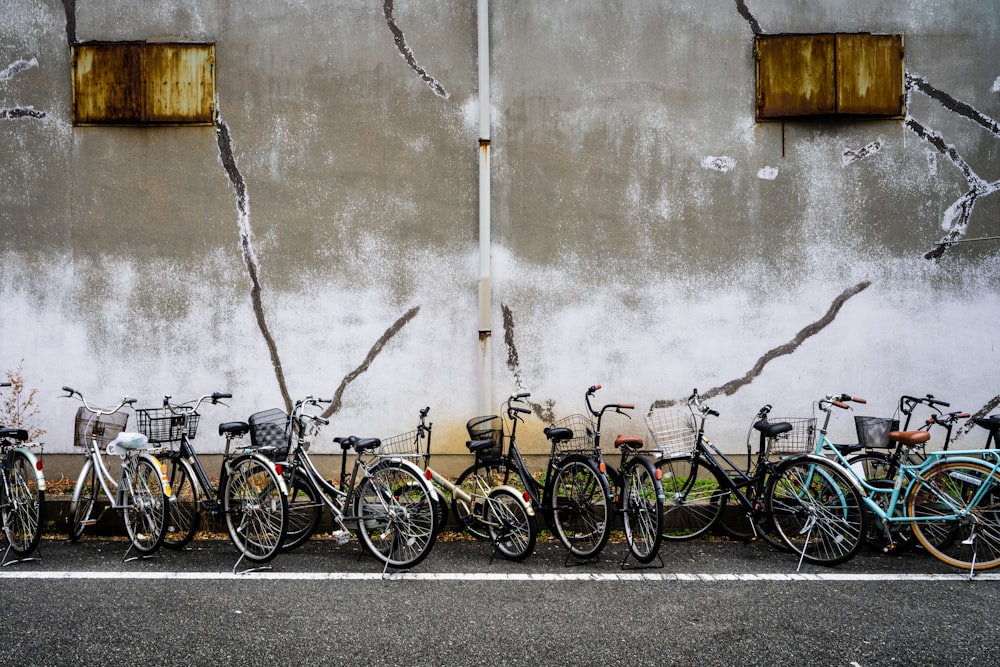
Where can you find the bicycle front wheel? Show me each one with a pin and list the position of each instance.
(476, 481)
(642, 509)
(580, 500)
(255, 508)
(512, 530)
(184, 511)
(83, 501)
(816, 510)
(956, 510)
(395, 515)
(693, 497)
(22, 513)
(146, 503)
(305, 508)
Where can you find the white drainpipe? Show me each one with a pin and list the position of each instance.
(485, 288)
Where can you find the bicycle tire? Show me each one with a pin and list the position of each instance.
(877, 470)
(513, 531)
(146, 501)
(580, 500)
(693, 497)
(816, 509)
(642, 509)
(255, 508)
(24, 508)
(83, 500)
(395, 515)
(305, 509)
(184, 509)
(971, 542)
(490, 473)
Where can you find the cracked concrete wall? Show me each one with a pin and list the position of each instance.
(648, 234)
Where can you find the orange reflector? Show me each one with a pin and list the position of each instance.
(659, 474)
(604, 468)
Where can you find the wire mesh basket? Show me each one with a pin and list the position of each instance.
(583, 435)
(102, 428)
(489, 427)
(269, 428)
(873, 432)
(162, 425)
(673, 430)
(799, 440)
(405, 444)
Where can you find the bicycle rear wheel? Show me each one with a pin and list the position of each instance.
(396, 515)
(816, 510)
(22, 513)
(580, 500)
(956, 507)
(83, 501)
(476, 480)
(305, 508)
(642, 509)
(184, 510)
(693, 497)
(512, 530)
(146, 503)
(255, 508)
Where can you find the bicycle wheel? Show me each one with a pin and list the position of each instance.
(305, 508)
(512, 530)
(477, 480)
(872, 465)
(255, 508)
(22, 513)
(642, 509)
(956, 510)
(184, 509)
(84, 500)
(693, 497)
(395, 515)
(146, 503)
(816, 510)
(878, 471)
(580, 499)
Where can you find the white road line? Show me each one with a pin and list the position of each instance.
(492, 576)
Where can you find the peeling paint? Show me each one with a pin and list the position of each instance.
(721, 163)
(407, 54)
(16, 68)
(20, 112)
(338, 396)
(513, 363)
(849, 156)
(767, 173)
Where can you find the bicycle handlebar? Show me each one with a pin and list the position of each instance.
(174, 408)
(695, 400)
(840, 400)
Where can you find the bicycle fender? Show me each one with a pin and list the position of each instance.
(163, 473)
(965, 456)
(528, 508)
(416, 470)
(282, 486)
(40, 474)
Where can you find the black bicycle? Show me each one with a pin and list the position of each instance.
(22, 492)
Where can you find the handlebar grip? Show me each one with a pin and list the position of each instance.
(221, 394)
(857, 399)
(69, 389)
(626, 406)
(593, 388)
(423, 413)
(521, 394)
(525, 411)
(129, 401)
(963, 415)
(7, 384)
(840, 404)
(714, 413)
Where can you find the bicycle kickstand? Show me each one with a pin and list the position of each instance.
(259, 568)
(127, 559)
(4, 562)
(651, 565)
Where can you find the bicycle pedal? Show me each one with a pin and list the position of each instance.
(342, 536)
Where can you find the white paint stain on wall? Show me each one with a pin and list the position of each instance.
(767, 173)
(721, 163)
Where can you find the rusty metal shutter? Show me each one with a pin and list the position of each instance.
(870, 75)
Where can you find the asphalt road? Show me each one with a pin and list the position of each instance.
(712, 603)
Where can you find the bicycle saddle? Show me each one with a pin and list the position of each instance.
(479, 445)
(13, 433)
(991, 423)
(359, 444)
(910, 438)
(558, 433)
(234, 428)
(628, 442)
(772, 429)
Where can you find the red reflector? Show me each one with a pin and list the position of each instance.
(38, 464)
(428, 475)
(277, 468)
(527, 497)
(659, 474)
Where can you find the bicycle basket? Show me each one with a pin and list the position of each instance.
(161, 425)
(404, 444)
(797, 441)
(102, 428)
(269, 428)
(673, 430)
(583, 435)
(486, 428)
(873, 432)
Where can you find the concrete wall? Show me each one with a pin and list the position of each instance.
(648, 234)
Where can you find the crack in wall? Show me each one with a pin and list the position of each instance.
(20, 112)
(337, 400)
(407, 54)
(741, 7)
(851, 156)
(990, 406)
(70, 7)
(807, 332)
(228, 160)
(544, 410)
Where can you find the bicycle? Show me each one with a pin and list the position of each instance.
(141, 491)
(388, 501)
(251, 497)
(950, 499)
(782, 502)
(500, 515)
(22, 493)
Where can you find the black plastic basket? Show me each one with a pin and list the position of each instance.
(486, 428)
(873, 432)
(161, 425)
(269, 428)
(103, 428)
